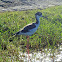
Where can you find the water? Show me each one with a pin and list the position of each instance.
(45, 56)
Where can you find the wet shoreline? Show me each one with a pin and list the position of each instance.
(19, 5)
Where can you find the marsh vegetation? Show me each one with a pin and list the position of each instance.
(48, 35)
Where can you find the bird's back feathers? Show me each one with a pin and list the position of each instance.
(28, 28)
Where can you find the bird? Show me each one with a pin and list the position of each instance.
(30, 29)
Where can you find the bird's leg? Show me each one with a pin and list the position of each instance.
(28, 45)
(27, 38)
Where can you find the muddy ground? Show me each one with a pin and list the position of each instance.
(18, 5)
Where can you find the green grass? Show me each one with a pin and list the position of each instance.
(48, 35)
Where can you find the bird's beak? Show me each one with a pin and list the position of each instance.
(42, 16)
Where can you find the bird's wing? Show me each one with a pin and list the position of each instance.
(28, 28)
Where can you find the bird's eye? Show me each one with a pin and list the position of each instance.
(40, 14)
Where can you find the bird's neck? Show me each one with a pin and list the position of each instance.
(37, 20)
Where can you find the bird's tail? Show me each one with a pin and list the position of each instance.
(17, 33)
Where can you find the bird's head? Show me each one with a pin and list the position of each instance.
(38, 14)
